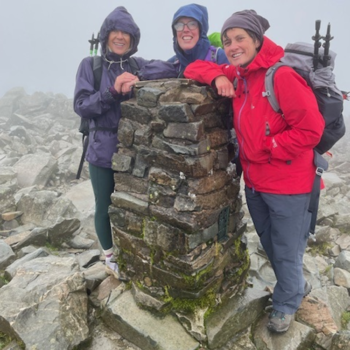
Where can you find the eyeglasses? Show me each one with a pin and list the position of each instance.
(179, 26)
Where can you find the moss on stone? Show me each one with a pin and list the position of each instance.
(345, 319)
(3, 280)
(128, 285)
(218, 248)
(120, 260)
(195, 279)
(152, 254)
(208, 300)
(245, 266)
(242, 255)
(320, 249)
(6, 340)
(53, 249)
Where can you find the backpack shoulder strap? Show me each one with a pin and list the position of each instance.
(212, 54)
(133, 65)
(269, 86)
(97, 70)
(216, 54)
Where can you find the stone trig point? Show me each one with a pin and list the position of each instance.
(177, 219)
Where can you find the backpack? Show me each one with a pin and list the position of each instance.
(329, 98)
(212, 54)
(315, 65)
(84, 127)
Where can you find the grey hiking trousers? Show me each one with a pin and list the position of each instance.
(282, 223)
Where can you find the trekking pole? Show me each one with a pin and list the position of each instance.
(97, 40)
(317, 37)
(326, 45)
(92, 42)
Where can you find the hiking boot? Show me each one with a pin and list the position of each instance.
(279, 322)
(112, 267)
(307, 288)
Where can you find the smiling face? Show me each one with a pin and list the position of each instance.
(187, 38)
(118, 42)
(240, 48)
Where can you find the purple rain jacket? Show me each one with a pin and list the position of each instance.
(101, 107)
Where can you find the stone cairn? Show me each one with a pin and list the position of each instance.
(176, 210)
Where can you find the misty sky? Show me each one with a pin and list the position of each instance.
(43, 41)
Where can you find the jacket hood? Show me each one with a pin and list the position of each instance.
(120, 19)
(269, 54)
(199, 51)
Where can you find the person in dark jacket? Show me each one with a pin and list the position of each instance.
(119, 38)
(276, 151)
(190, 27)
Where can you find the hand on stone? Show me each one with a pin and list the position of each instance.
(127, 87)
(124, 82)
(224, 86)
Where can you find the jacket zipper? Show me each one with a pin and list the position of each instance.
(239, 128)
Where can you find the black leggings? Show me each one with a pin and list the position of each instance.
(102, 180)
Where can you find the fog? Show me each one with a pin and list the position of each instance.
(42, 41)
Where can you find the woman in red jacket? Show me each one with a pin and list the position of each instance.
(276, 151)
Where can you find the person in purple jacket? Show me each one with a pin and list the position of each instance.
(119, 38)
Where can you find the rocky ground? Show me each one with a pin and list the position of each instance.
(54, 293)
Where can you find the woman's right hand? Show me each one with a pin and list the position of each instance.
(224, 86)
(125, 78)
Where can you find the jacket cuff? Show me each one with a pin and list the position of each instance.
(110, 95)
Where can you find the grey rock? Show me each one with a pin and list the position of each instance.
(80, 242)
(176, 112)
(148, 97)
(94, 275)
(7, 202)
(121, 162)
(102, 337)
(185, 131)
(41, 166)
(9, 102)
(25, 251)
(38, 236)
(343, 260)
(341, 278)
(126, 201)
(44, 208)
(47, 291)
(7, 256)
(337, 299)
(7, 174)
(88, 258)
(299, 336)
(235, 316)
(241, 341)
(12, 269)
(62, 231)
(144, 329)
(341, 341)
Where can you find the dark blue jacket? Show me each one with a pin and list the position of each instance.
(177, 64)
(100, 106)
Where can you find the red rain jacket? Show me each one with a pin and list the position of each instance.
(276, 151)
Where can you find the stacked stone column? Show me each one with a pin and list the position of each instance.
(176, 210)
